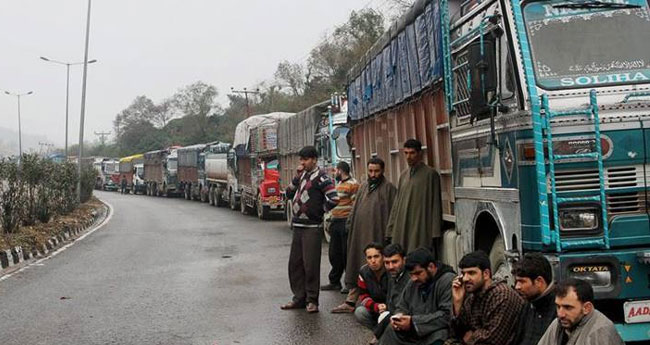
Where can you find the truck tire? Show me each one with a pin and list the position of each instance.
(262, 211)
(501, 269)
(242, 206)
(211, 196)
(233, 201)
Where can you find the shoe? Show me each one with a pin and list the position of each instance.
(292, 305)
(330, 287)
(345, 291)
(373, 341)
(343, 308)
(312, 308)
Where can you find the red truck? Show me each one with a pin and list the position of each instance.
(253, 181)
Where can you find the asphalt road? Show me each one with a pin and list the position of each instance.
(169, 271)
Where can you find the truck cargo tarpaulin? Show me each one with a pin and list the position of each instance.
(243, 129)
(294, 132)
(405, 60)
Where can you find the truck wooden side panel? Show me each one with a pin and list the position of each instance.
(153, 167)
(383, 135)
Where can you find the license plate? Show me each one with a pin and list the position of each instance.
(637, 311)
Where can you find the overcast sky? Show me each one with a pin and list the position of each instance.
(146, 47)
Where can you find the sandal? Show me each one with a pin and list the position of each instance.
(292, 305)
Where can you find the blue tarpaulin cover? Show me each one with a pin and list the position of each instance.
(414, 64)
(408, 63)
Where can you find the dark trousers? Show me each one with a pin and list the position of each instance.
(338, 250)
(304, 264)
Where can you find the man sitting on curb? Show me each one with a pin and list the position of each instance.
(534, 282)
(373, 285)
(578, 322)
(485, 311)
(424, 310)
(394, 260)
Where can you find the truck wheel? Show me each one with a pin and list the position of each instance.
(233, 201)
(211, 196)
(218, 197)
(242, 206)
(501, 269)
(262, 211)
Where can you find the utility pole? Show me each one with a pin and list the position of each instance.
(102, 137)
(83, 106)
(246, 92)
(47, 150)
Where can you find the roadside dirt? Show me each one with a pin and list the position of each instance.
(36, 235)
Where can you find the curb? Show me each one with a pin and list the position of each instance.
(11, 258)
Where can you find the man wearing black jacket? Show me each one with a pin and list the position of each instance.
(423, 313)
(534, 282)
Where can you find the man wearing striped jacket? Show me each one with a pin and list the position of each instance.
(313, 193)
(346, 189)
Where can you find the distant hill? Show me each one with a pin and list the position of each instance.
(9, 142)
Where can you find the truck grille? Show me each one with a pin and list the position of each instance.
(616, 178)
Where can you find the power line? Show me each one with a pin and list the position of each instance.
(102, 137)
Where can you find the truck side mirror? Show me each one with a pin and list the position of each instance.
(483, 75)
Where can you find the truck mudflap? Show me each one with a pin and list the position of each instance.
(621, 282)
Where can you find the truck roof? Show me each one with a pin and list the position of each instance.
(131, 158)
(242, 131)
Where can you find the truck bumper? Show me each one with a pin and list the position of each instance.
(273, 203)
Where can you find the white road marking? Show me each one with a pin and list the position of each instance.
(40, 262)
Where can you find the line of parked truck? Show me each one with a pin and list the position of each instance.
(250, 174)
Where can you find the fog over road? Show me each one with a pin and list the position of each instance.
(169, 271)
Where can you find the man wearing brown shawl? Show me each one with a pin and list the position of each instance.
(366, 224)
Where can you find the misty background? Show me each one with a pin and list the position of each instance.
(154, 48)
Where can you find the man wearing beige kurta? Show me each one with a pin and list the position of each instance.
(416, 217)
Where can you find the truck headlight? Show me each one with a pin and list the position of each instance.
(596, 275)
(579, 219)
(271, 190)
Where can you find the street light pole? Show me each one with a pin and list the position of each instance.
(20, 136)
(83, 103)
(67, 92)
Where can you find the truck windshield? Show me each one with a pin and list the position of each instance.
(577, 44)
(342, 147)
(272, 165)
(172, 164)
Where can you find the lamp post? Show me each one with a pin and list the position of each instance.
(67, 92)
(20, 136)
(83, 104)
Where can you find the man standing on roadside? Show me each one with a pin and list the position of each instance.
(312, 193)
(366, 224)
(416, 218)
(346, 190)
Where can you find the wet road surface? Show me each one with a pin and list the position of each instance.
(169, 271)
